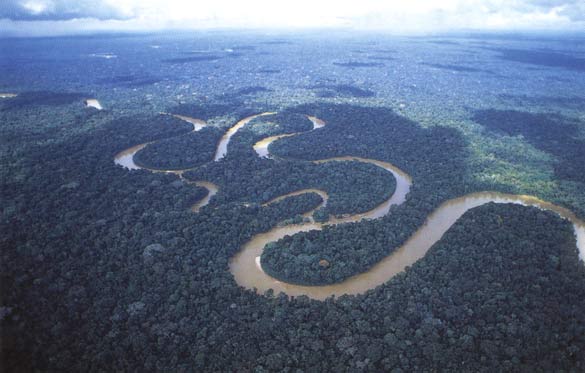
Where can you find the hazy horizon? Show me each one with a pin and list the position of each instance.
(338, 188)
(67, 17)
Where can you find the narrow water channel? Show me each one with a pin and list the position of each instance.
(246, 266)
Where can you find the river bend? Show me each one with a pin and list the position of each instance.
(246, 267)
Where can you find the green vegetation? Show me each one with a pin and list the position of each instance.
(515, 270)
(357, 64)
(179, 60)
(433, 157)
(182, 152)
(129, 307)
(243, 176)
(352, 187)
(342, 90)
(42, 98)
(298, 204)
(241, 145)
(552, 133)
(106, 269)
(130, 81)
(542, 58)
(226, 112)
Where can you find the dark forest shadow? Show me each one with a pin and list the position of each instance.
(46, 98)
(552, 133)
(542, 58)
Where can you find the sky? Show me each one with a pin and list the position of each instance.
(54, 17)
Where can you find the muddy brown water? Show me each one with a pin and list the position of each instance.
(247, 270)
(246, 267)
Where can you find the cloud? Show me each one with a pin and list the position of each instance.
(574, 11)
(43, 10)
(447, 15)
(66, 16)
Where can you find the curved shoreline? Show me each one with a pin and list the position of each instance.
(247, 269)
(261, 147)
(125, 158)
(309, 214)
(223, 143)
(246, 266)
(198, 124)
(212, 190)
(403, 184)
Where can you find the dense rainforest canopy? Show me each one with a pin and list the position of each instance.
(107, 269)
(181, 152)
(434, 157)
(553, 133)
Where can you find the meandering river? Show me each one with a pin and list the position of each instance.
(223, 143)
(246, 266)
(261, 147)
(125, 159)
(247, 270)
